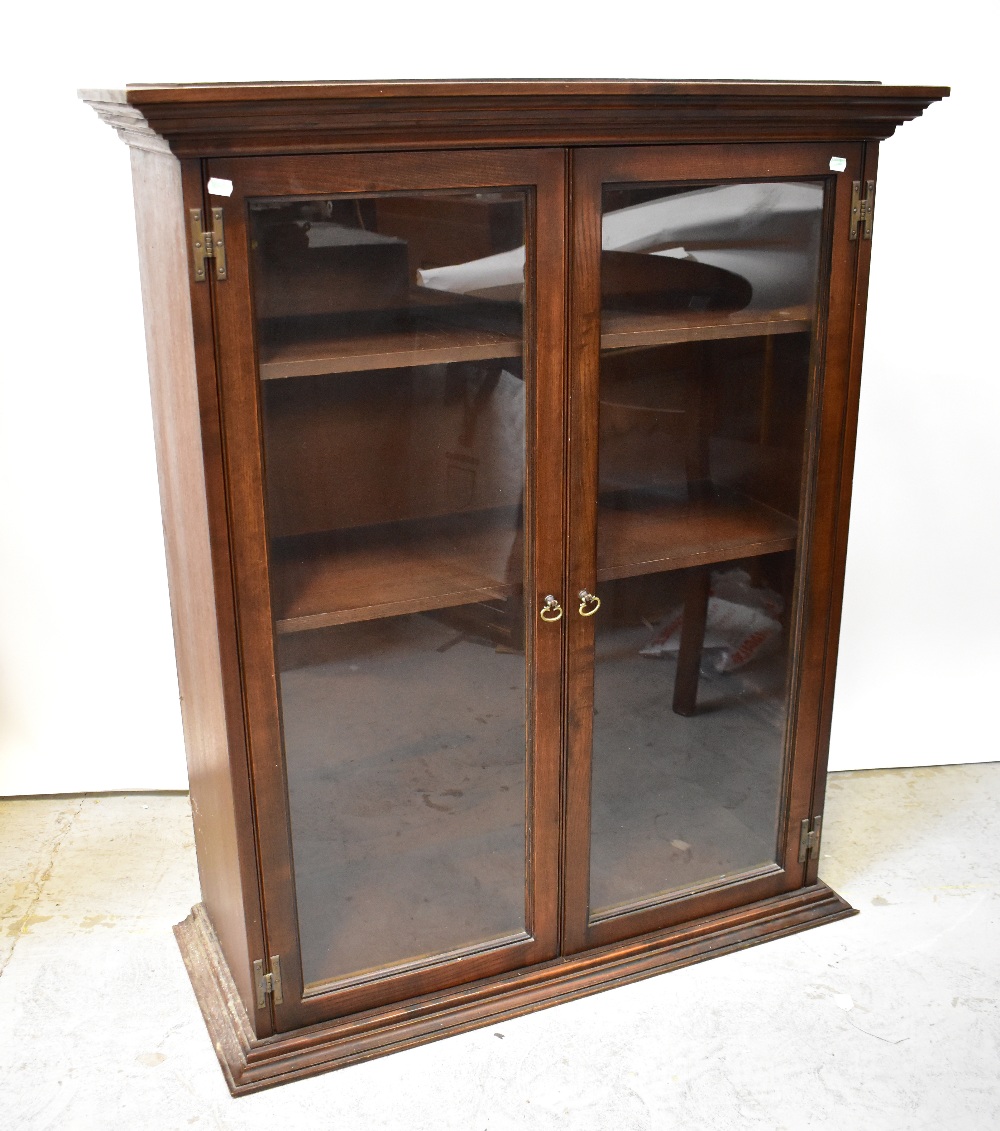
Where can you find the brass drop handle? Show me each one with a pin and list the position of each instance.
(589, 604)
(551, 609)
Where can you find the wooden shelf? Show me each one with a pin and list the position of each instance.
(388, 350)
(342, 346)
(370, 572)
(642, 329)
(674, 535)
(433, 329)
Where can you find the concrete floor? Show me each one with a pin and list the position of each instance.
(889, 1020)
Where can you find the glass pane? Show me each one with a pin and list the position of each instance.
(708, 307)
(393, 401)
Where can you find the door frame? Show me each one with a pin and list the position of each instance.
(542, 171)
(817, 533)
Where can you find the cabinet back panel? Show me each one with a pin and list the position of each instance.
(360, 449)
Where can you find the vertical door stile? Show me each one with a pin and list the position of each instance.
(850, 262)
(583, 354)
(546, 457)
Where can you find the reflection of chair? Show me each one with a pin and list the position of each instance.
(692, 640)
(698, 468)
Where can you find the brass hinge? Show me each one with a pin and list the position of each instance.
(862, 211)
(809, 834)
(208, 244)
(266, 984)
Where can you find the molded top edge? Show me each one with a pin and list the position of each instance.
(153, 93)
(220, 119)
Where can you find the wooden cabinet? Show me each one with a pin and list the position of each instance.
(505, 435)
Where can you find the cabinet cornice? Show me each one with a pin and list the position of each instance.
(276, 118)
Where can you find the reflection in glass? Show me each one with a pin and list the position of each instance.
(708, 308)
(394, 429)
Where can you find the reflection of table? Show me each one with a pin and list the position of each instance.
(765, 231)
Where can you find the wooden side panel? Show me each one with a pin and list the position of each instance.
(181, 463)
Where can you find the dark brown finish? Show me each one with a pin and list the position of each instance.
(250, 1065)
(294, 279)
(437, 343)
(242, 592)
(692, 640)
(433, 345)
(387, 571)
(831, 569)
(634, 282)
(350, 174)
(631, 329)
(182, 382)
(592, 169)
(316, 117)
(701, 532)
(320, 425)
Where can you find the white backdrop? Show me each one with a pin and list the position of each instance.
(88, 695)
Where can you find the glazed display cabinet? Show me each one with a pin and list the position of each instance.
(505, 434)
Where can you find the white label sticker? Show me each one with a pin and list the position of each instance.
(837, 164)
(219, 186)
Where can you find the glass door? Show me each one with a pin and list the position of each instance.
(396, 324)
(700, 306)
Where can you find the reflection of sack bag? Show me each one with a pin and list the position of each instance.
(741, 623)
(634, 281)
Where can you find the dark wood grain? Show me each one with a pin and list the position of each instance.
(314, 117)
(186, 430)
(250, 1065)
(331, 564)
(362, 574)
(678, 535)
(810, 619)
(581, 545)
(435, 345)
(833, 563)
(645, 329)
(692, 637)
(544, 337)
